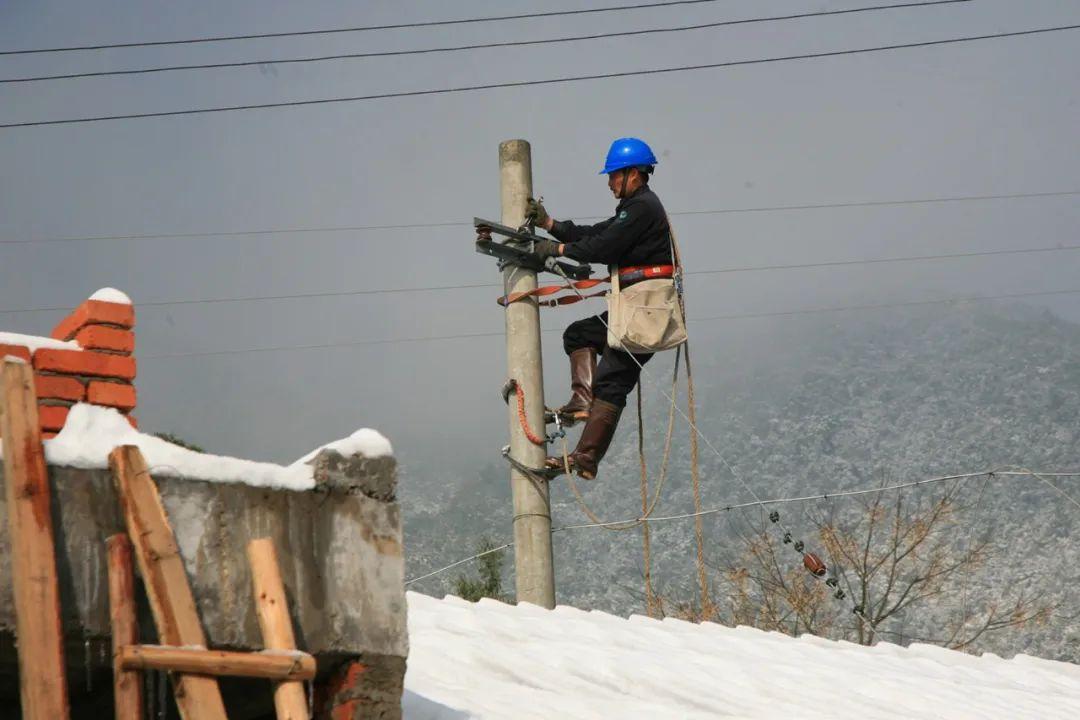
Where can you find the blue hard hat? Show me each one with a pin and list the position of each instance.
(627, 152)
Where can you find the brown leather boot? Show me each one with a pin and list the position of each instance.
(594, 442)
(582, 369)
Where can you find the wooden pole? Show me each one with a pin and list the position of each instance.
(42, 685)
(162, 568)
(267, 664)
(277, 630)
(533, 565)
(127, 688)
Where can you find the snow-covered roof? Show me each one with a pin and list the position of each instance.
(491, 660)
(91, 432)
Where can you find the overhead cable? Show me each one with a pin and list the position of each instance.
(469, 47)
(359, 28)
(448, 223)
(744, 316)
(845, 493)
(473, 286)
(529, 83)
(787, 500)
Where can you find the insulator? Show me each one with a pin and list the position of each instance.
(787, 538)
(832, 582)
(839, 594)
(814, 565)
(799, 547)
(774, 516)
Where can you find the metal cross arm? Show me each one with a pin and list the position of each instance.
(515, 254)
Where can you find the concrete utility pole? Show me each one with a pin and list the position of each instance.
(533, 564)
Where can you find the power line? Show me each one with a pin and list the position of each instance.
(876, 261)
(360, 28)
(416, 226)
(473, 286)
(780, 501)
(527, 83)
(364, 28)
(474, 46)
(886, 306)
(745, 316)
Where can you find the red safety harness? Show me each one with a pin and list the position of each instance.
(627, 276)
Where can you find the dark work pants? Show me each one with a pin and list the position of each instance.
(617, 373)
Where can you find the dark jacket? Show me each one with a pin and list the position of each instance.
(638, 234)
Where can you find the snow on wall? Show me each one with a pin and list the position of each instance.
(33, 343)
(111, 295)
(490, 660)
(92, 432)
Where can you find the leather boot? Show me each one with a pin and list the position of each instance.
(582, 369)
(594, 442)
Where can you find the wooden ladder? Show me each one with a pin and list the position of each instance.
(183, 651)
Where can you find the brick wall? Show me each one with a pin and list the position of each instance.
(97, 366)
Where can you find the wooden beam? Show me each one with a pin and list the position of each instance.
(127, 688)
(266, 664)
(277, 630)
(165, 579)
(42, 685)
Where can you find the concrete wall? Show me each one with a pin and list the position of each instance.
(340, 547)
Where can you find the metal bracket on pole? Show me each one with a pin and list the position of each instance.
(514, 255)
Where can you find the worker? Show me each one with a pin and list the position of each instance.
(635, 240)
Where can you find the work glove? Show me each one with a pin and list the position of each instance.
(535, 210)
(546, 250)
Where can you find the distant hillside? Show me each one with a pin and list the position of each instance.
(839, 407)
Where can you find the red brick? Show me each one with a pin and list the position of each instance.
(99, 337)
(52, 417)
(19, 351)
(111, 394)
(95, 312)
(59, 388)
(85, 362)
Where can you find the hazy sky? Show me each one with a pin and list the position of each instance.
(991, 117)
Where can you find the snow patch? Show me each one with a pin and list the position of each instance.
(365, 441)
(111, 295)
(36, 342)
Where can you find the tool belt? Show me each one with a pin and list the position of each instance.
(636, 273)
(647, 316)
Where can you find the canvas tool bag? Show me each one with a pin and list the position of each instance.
(645, 317)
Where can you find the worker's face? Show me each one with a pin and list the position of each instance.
(615, 182)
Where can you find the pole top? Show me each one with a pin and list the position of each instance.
(515, 151)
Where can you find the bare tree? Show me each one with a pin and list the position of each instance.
(894, 557)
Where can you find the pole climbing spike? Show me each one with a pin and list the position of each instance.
(508, 387)
(814, 564)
